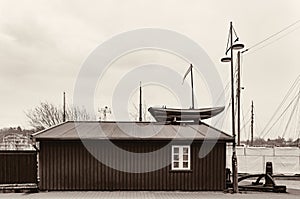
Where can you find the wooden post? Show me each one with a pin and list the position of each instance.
(252, 123)
(234, 158)
(64, 107)
(239, 99)
(140, 110)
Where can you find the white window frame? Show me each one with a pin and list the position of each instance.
(180, 161)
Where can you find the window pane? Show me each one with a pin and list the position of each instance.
(176, 157)
(176, 164)
(181, 157)
(176, 150)
(185, 157)
(185, 150)
(185, 165)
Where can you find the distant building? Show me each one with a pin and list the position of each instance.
(16, 141)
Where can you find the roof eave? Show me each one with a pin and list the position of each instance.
(47, 129)
(133, 139)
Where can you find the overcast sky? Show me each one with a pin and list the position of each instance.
(43, 44)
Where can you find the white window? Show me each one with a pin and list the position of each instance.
(181, 157)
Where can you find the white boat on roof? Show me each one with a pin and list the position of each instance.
(172, 114)
(195, 115)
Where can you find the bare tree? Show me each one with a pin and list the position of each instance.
(46, 115)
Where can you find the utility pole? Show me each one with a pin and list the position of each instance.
(239, 98)
(252, 122)
(64, 107)
(140, 111)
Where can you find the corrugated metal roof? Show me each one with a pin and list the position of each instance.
(130, 130)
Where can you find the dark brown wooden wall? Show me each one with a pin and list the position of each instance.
(67, 165)
(18, 167)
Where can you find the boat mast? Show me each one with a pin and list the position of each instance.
(252, 123)
(192, 84)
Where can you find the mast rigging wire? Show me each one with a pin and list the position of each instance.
(274, 41)
(281, 104)
(271, 36)
(280, 115)
(290, 118)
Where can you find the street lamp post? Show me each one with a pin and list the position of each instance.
(233, 46)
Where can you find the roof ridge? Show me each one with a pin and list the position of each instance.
(198, 131)
(110, 121)
(216, 129)
(67, 130)
(51, 127)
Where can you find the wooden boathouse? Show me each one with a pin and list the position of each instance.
(65, 163)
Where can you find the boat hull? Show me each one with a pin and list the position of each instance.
(171, 114)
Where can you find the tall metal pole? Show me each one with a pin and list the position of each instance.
(252, 122)
(140, 111)
(64, 107)
(239, 99)
(234, 158)
(192, 84)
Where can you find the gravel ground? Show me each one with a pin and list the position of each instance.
(143, 194)
(293, 192)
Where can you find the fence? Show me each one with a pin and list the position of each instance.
(286, 160)
(18, 167)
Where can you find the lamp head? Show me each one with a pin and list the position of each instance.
(238, 46)
(226, 59)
